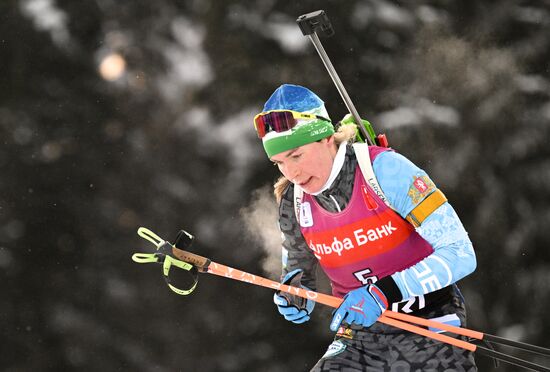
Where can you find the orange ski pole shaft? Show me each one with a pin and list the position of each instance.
(399, 320)
(215, 268)
(335, 302)
(433, 324)
(466, 332)
(211, 267)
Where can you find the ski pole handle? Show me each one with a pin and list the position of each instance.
(201, 263)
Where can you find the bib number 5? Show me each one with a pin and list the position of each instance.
(364, 278)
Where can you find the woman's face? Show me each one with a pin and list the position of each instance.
(308, 166)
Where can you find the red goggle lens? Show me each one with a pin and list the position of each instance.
(279, 121)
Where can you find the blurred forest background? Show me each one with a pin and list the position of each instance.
(120, 114)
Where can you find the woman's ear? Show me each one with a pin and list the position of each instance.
(328, 140)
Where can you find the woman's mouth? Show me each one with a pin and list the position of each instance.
(302, 184)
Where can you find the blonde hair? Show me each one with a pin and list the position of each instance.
(344, 133)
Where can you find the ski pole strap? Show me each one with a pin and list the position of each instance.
(147, 234)
(163, 255)
(167, 263)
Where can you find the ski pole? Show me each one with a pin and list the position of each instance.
(318, 21)
(468, 332)
(204, 264)
(168, 253)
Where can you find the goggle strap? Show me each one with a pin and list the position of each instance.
(280, 121)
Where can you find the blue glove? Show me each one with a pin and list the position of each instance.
(293, 308)
(361, 306)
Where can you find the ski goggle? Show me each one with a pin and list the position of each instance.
(280, 121)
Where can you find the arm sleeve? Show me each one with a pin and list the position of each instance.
(405, 185)
(295, 252)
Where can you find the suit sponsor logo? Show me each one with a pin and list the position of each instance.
(306, 218)
(334, 349)
(359, 237)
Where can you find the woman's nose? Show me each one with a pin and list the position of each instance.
(292, 171)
